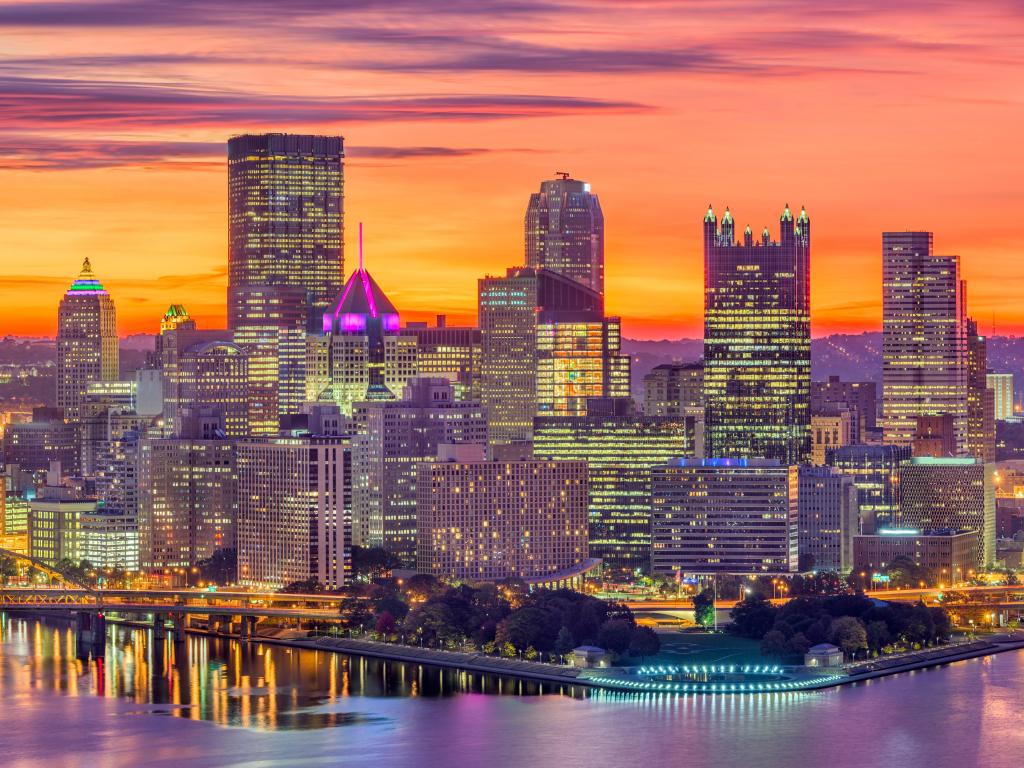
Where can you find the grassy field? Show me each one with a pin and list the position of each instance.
(707, 648)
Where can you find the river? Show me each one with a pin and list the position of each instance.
(214, 702)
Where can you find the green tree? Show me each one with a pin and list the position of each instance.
(878, 635)
(704, 609)
(615, 635)
(522, 628)
(310, 586)
(355, 613)
(753, 617)
(373, 563)
(644, 642)
(799, 644)
(422, 586)
(220, 568)
(385, 623)
(849, 635)
(774, 643)
(564, 642)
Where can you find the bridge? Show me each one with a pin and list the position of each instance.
(169, 610)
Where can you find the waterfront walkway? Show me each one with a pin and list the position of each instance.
(933, 657)
(627, 678)
(471, 662)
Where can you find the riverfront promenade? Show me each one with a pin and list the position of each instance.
(703, 679)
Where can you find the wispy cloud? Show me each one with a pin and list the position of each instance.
(27, 103)
(50, 153)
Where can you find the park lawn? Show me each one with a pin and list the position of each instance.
(707, 648)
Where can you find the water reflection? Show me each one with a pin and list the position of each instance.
(227, 682)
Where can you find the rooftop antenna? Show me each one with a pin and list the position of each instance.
(360, 246)
(564, 174)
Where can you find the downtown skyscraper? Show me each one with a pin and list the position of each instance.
(87, 347)
(547, 348)
(924, 337)
(757, 340)
(565, 231)
(285, 258)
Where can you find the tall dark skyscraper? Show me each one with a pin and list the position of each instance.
(87, 348)
(924, 337)
(285, 214)
(285, 258)
(565, 231)
(757, 340)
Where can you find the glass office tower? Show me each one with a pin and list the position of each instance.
(757, 341)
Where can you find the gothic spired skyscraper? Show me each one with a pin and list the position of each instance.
(87, 348)
(565, 231)
(924, 337)
(285, 258)
(757, 341)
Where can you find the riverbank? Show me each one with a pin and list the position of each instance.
(469, 662)
(673, 678)
(704, 679)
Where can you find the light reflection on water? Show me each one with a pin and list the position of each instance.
(227, 682)
(222, 703)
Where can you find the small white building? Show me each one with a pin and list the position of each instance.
(823, 655)
(590, 656)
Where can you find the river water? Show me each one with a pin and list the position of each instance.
(222, 703)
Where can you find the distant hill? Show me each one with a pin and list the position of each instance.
(849, 356)
(854, 357)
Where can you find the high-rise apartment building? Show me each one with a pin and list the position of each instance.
(620, 447)
(956, 493)
(757, 340)
(672, 388)
(736, 516)
(874, 470)
(285, 258)
(87, 346)
(924, 337)
(213, 381)
(294, 511)
(188, 501)
(828, 519)
(565, 231)
(274, 341)
(395, 437)
(33, 445)
(450, 351)
(981, 401)
(362, 353)
(547, 348)
(494, 520)
(1001, 385)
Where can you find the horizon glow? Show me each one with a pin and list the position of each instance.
(116, 119)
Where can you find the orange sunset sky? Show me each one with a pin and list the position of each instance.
(875, 115)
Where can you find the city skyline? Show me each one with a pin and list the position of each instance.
(449, 135)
